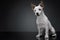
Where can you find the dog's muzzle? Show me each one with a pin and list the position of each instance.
(37, 14)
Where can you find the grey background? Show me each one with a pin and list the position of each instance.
(17, 15)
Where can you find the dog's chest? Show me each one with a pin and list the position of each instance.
(41, 20)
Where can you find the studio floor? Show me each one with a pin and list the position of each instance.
(22, 36)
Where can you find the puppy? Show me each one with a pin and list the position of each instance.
(43, 24)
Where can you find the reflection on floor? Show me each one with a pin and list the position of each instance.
(23, 36)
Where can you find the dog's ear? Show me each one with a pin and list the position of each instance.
(41, 4)
(33, 6)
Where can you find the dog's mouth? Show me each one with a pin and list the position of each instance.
(37, 14)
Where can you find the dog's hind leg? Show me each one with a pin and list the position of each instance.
(53, 31)
(51, 28)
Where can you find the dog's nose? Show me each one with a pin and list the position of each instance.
(37, 14)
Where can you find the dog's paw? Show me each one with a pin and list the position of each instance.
(46, 37)
(37, 36)
(54, 36)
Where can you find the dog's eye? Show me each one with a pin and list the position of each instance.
(39, 9)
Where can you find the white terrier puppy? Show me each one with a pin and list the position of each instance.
(42, 21)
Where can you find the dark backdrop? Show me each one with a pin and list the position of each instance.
(17, 15)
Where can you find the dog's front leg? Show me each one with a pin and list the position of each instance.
(46, 32)
(38, 35)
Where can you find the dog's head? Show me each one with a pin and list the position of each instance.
(38, 9)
